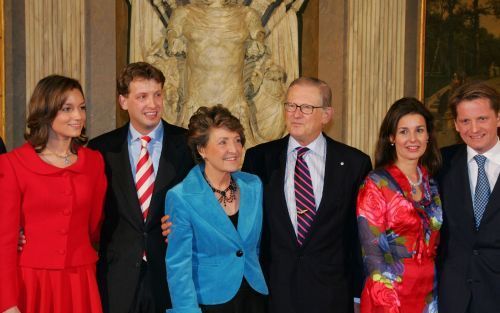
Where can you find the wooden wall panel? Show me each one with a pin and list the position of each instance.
(308, 42)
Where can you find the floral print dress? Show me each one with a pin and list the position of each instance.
(399, 237)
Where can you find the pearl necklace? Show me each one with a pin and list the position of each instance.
(418, 183)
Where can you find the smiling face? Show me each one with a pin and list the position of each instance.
(144, 104)
(477, 124)
(70, 118)
(305, 128)
(411, 137)
(222, 153)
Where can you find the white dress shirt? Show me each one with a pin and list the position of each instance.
(492, 166)
(315, 159)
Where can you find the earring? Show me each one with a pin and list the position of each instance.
(392, 144)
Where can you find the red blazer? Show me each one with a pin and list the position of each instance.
(59, 209)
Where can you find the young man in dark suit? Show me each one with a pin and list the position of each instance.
(310, 247)
(469, 271)
(144, 159)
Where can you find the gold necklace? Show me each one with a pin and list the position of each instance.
(66, 157)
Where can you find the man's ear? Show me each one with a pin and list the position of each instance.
(123, 102)
(327, 115)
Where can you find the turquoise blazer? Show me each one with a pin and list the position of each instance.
(207, 257)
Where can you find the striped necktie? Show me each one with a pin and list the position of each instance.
(482, 192)
(304, 196)
(144, 177)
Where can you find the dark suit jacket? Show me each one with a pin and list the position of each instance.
(317, 276)
(124, 235)
(2, 147)
(469, 259)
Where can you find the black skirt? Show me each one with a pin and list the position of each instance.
(246, 300)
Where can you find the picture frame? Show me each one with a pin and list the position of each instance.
(460, 42)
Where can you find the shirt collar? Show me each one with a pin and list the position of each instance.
(317, 146)
(493, 154)
(155, 135)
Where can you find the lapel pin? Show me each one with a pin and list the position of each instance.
(341, 163)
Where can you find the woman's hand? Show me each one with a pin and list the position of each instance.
(13, 309)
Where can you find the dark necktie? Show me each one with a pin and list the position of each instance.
(304, 196)
(482, 192)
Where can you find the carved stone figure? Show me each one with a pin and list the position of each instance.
(218, 51)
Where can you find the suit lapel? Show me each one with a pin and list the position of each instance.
(201, 198)
(277, 183)
(493, 206)
(334, 174)
(122, 176)
(247, 208)
(460, 192)
(166, 172)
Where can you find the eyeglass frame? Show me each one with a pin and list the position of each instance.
(300, 106)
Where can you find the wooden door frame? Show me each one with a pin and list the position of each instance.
(2, 71)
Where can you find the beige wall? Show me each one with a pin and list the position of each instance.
(74, 38)
(326, 38)
(367, 51)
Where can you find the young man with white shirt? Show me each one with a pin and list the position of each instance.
(469, 271)
(310, 249)
(144, 159)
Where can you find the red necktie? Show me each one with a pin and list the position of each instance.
(144, 177)
(304, 196)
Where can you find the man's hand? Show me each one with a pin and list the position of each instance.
(165, 227)
(357, 308)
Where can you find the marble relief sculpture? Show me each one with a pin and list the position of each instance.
(241, 55)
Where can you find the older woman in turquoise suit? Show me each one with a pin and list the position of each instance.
(216, 211)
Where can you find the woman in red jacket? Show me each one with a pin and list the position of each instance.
(52, 188)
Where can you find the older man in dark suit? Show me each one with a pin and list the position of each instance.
(469, 274)
(144, 159)
(310, 243)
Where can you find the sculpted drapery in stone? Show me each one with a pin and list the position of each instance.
(218, 51)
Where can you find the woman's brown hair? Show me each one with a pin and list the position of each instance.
(203, 120)
(385, 153)
(47, 99)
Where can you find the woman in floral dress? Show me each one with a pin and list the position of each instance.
(399, 214)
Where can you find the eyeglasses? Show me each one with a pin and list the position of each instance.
(304, 108)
